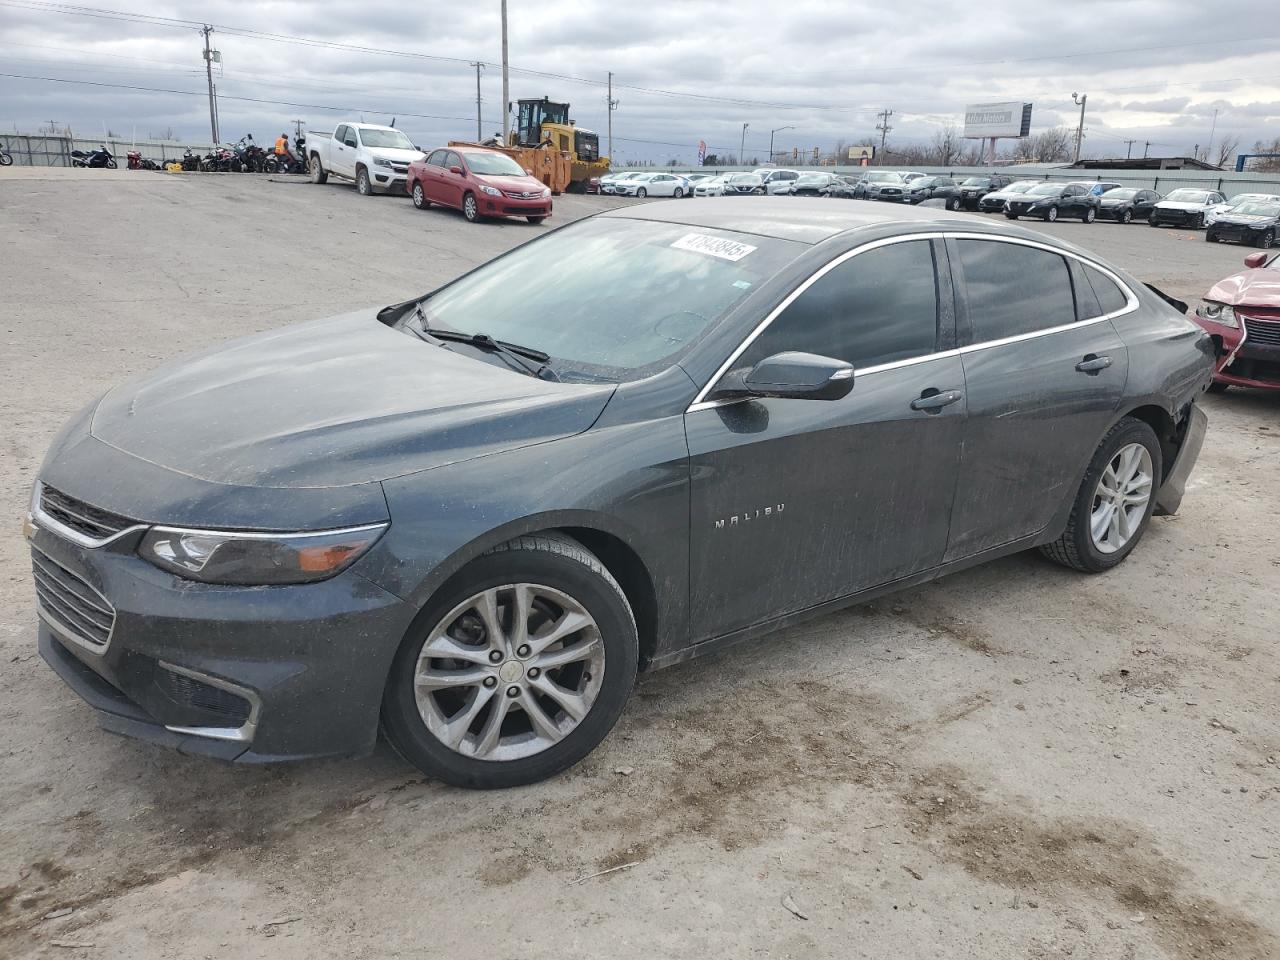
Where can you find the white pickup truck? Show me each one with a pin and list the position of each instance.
(376, 158)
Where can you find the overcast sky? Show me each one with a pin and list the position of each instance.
(684, 71)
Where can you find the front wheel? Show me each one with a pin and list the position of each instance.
(953, 203)
(111, 164)
(364, 186)
(642, 193)
(1267, 240)
(1153, 221)
(1051, 216)
(758, 192)
(317, 170)
(1090, 215)
(1210, 237)
(1198, 223)
(517, 668)
(420, 196)
(1114, 501)
(470, 209)
(1011, 216)
(5, 160)
(1126, 217)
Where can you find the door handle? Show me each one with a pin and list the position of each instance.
(933, 400)
(1093, 364)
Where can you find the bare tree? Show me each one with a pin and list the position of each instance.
(946, 146)
(1052, 145)
(1227, 148)
(1266, 164)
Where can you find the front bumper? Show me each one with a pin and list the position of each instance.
(239, 673)
(1237, 234)
(1243, 360)
(1176, 218)
(389, 180)
(505, 206)
(1113, 213)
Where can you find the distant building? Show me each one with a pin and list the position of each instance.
(1144, 163)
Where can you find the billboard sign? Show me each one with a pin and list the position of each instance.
(1011, 119)
(862, 155)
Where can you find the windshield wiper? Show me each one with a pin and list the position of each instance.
(512, 352)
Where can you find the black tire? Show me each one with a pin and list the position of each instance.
(318, 173)
(470, 208)
(1153, 221)
(111, 164)
(1051, 215)
(952, 203)
(557, 562)
(1075, 548)
(419, 196)
(1090, 215)
(1217, 386)
(679, 193)
(535, 220)
(1267, 240)
(1126, 217)
(1011, 216)
(364, 186)
(1210, 237)
(5, 159)
(758, 192)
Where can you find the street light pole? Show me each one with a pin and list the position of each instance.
(1081, 99)
(506, 87)
(742, 146)
(771, 133)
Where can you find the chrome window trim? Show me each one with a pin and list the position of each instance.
(701, 403)
(271, 534)
(241, 734)
(47, 522)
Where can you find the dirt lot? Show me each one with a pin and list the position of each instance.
(1013, 762)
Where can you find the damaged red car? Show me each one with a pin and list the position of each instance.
(1242, 315)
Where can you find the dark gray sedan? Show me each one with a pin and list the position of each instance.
(471, 518)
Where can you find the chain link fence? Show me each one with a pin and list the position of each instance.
(48, 150)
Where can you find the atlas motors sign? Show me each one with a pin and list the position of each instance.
(1012, 119)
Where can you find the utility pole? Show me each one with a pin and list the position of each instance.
(1145, 148)
(297, 129)
(884, 128)
(479, 133)
(1081, 99)
(1208, 151)
(506, 83)
(613, 105)
(742, 146)
(208, 72)
(1128, 148)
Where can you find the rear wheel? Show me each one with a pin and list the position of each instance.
(1090, 215)
(679, 193)
(535, 220)
(1153, 221)
(420, 196)
(470, 209)
(1126, 217)
(1011, 216)
(953, 203)
(317, 170)
(517, 668)
(111, 164)
(1210, 236)
(1114, 502)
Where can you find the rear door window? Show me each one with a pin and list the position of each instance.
(1110, 297)
(1013, 289)
(874, 308)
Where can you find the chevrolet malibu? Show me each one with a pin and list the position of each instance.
(469, 519)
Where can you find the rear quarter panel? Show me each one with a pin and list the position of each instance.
(1170, 356)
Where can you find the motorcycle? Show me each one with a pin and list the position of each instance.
(219, 160)
(100, 158)
(190, 161)
(5, 159)
(138, 162)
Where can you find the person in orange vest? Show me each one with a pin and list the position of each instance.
(282, 145)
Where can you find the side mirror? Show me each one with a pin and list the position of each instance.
(457, 170)
(1255, 260)
(797, 376)
(528, 171)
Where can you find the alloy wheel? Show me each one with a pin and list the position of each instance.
(1052, 215)
(509, 672)
(1120, 500)
(419, 198)
(1267, 240)
(469, 208)
(1127, 217)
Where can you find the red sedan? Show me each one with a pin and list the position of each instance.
(480, 183)
(1242, 314)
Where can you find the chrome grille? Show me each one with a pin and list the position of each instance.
(70, 605)
(83, 518)
(1265, 332)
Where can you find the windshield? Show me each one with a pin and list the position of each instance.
(1021, 186)
(1189, 196)
(385, 138)
(1121, 194)
(610, 298)
(813, 178)
(1257, 208)
(494, 165)
(975, 182)
(744, 178)
(1044, 190)
(884, 178)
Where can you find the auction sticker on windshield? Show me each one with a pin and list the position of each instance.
(713, 246)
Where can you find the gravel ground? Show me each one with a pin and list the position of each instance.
(1013, 762)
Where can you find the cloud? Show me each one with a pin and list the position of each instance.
(1168, 105)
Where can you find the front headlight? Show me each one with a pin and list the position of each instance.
(381, 162)
(1217, 313)
(257, 559)
(546, 192)
(491, 191)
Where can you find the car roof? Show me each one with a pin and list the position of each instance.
(796, 218)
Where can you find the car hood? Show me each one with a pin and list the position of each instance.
(1116, 202)
(514, 183)
(1246, 219)
(1259, 287)
(1182, 205)
(334, 402)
